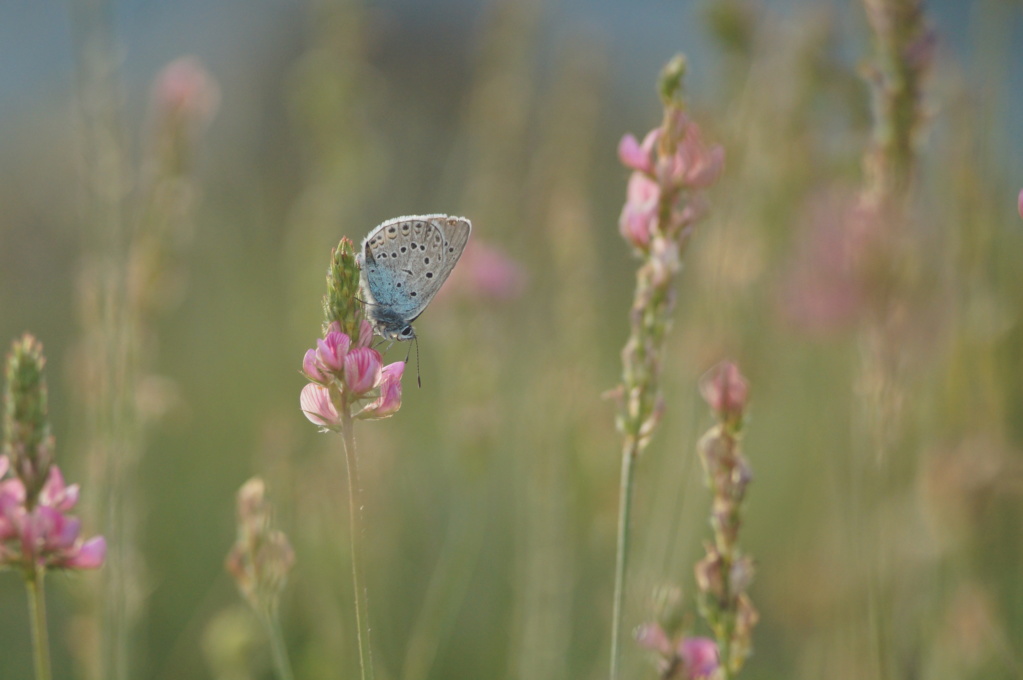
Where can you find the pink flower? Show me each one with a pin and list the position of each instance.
(46, 536)
(185, 88)
(639, 215)
(636, 156)
(318, 407)
(697, 657)
(694, 164)
(389, 401)
(1019, 203)
(311, 368)
(55, 494)
(486, 272)
(700, 655)
(362, 370)
(90, 554)
(331, 352)
(725, 390)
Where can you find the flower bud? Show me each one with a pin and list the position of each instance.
(725, 390)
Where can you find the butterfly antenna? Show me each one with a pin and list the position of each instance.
(419, 378)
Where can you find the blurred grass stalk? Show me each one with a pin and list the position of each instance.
(133, 226)
(903, 52)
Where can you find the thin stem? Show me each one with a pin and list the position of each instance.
(278, 650)
(629, 454)
(355, 534)
(37, 613)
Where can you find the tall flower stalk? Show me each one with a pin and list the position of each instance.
(349, 382)
(37, 533)
(725, 573)
(670, 168)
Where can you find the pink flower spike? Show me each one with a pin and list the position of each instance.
(317, 406)
(334, 327)
(389, 401)
(311, 368)
(331, 351)
(362, 370)
(700, 655)
(89, 556)
(1019, 203)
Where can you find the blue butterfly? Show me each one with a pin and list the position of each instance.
(404, 263)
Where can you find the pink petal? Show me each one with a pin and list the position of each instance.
(311, 368)
(389, 401)
(317, 406)
(652, 637)
(633, 156)
(331, 351)
(365, 334)
(700, 655)
(362, 370)
(89, 556)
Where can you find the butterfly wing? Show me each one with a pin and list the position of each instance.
(440, 240)
(406, 259)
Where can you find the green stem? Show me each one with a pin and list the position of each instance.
(355, 534)
(278, 650)
(629, 454)
(37, 613)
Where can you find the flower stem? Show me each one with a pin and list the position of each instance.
(629, 454)
(37, 613)
(278, 650)
(355, 534)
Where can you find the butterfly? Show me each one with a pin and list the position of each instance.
(404, 263)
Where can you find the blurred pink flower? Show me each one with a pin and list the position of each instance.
(1019, 203)
(639, 214)
(362, 370)
(725, 390)
(44, 536)
(694, 164)
(389, 401)
(184, 88)
(661, 177)
(700, 655)
(485, 272)
(639, 156)
(835, 266)
(318, 407)
(694, 658)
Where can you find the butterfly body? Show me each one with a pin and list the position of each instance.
(404, 262)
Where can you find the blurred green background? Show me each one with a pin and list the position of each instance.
(491, 496)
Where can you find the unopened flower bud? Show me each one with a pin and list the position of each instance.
(26, 438)
(725, 390)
